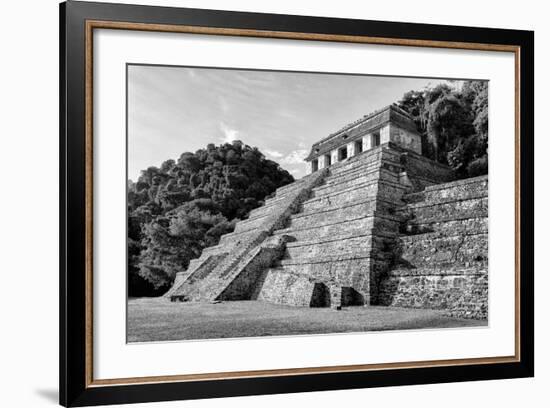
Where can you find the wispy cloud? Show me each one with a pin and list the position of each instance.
(174, 109)
(273, 153)
(229, 134)
(295, 157)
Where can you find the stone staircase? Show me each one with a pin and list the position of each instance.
(341, 235)
(222, 268)
(363, 231)
(440, 258)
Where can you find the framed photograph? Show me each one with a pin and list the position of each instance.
(257, 204)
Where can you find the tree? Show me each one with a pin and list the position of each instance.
(177, 210)
(448, 122)
(453, 124)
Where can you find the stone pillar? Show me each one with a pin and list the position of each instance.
(334, 156)
(385, 134)
(335, 297)
(367, 142)
(351, 149)
(310, 167)
(322, 163)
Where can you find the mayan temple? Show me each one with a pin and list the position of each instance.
(374, 223)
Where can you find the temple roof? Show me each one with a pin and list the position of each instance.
(354, 130)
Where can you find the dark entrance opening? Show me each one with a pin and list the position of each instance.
(320, 296)
(350, 297)
(314, 165)
(375, 139)
(358, 147)
(342, 153)
(327, 160)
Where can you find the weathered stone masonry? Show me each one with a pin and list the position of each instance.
(441, 256)
(379, 225)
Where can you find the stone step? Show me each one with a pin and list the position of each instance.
(328, 189)
(201, 273)
(457, 249)
(461, 188)
(361, 159)
(244, 243)
(363, 191)
(277, 199)
(354, 193)
(440, 269)
(326, 260)
(358, 178)
(353, 164)
(351, 174)
(211, 285)
(448, 192)
(345, 227)
(352, 272)
(446, 227)
(281, 191)
(181, 277)
(338, 244)
(432, 239)
(363, 207)
(458, 291)
(213, 249)
(251, 223)
(238, 237)
(293, 186)
(310, 249)
(270, 205)
(284, 287)
(267, 207)
(457, 209)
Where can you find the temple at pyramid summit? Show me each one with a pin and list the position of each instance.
(373, 223)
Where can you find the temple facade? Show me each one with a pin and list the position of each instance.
(388, 125)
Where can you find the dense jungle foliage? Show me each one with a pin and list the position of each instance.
(454, 125)
(186, 205)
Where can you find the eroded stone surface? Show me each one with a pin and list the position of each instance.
(384, 227)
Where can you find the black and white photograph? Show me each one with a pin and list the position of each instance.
(282, 203)
(274, 204)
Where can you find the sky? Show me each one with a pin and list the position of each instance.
(172, 110)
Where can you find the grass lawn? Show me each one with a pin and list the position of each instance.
(157, 319)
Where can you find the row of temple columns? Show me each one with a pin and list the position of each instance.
(343, 152)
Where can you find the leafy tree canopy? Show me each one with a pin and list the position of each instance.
(453, 124)
(186, 205)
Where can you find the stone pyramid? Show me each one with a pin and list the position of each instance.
(382, 226)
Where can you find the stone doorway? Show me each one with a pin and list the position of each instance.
(358, 147)
(314, 165)
(342, 153)
(375, 139)
(320, 296)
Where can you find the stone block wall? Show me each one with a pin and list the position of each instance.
(405, 138)
(441, 255)
(423, 172)
(243, 286)
(339, 234)
(287, 288)
(382, 227)
(459, 292)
